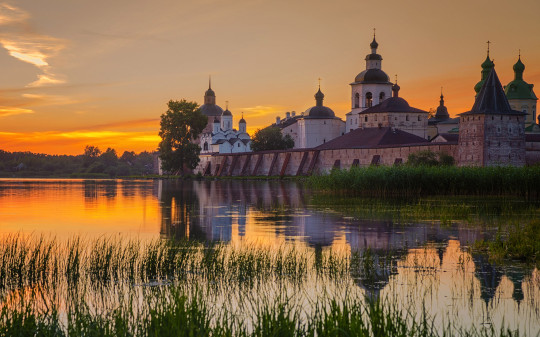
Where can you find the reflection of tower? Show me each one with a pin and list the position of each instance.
(516, 276)
(374, 272)
(488, 275)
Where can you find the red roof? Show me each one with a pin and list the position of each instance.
(372, 137)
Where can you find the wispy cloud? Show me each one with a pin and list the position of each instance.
(24, 44)
(8, 111)
(260, 110)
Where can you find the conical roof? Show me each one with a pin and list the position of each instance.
(491, 98)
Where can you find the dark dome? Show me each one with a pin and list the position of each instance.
(372, 76)
(210, 92)
(442, 112)
(519, 66)
(211, 110)
(319, 112)
(374, 44)
(393, 104)
(242, 121)
(227, 113)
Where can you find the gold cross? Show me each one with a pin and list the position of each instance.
(319, 83)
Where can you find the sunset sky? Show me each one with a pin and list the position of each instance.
(101, 72)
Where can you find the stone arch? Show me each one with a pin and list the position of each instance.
(369, 99)
(357, 100)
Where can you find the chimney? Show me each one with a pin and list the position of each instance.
(288, 115)
(278, 120)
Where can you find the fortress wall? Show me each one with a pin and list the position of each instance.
(302, 160)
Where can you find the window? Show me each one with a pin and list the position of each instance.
(375, 118)
(381, 97)
(419, 118)
(357, 100)
(369, 100)
(407, 118)
(205, 146)
(365, 118)
(238, 144)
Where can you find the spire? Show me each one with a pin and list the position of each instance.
(519, 68)
(374, 45)
(209, 95)
(395, 89)
(209, 81)
(442, 111)
(491, 99)
(487, 65)
(319, 96)
(242, 120)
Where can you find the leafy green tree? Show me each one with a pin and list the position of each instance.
(271, 138)
(180, 127)
(109, 157)
(91, 153)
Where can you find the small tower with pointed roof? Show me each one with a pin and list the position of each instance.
(520, 94)
(491, 133)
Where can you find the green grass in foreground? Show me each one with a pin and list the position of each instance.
(382, 181)
(173, 312)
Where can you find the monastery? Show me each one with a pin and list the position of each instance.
(383, 129)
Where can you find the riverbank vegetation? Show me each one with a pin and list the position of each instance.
(93, 163)
(111, 286)
(407, 181)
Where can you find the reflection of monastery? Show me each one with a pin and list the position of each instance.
(270, 211)
(382, 128)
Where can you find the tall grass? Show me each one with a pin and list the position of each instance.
(26, 261)
(382, 181)
(175, 312)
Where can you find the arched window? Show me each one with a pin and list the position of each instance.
(369, 100)
(419, 118)
(381, 97)
(205, 146)
(407, 118)
(357, 100)
(365, 118)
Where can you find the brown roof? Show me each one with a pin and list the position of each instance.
(450, 137)
(372, 137)
(393, 104)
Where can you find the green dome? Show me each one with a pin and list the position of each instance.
(487, 65)
(518, 88)
(519, 66)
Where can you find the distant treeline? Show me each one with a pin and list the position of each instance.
(93, 163)
(407, 181)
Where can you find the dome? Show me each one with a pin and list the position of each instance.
(372, 76)
(487, 64)
(319, 112)
(519, 66)
(211, 110)
(242, 121)
(319, 95)
(210, 92)
(227, 113)
(374, 44)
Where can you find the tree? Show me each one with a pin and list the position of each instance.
(271, 138)
(91, 153)
(429, 158)
(109, 157)
(180, 127)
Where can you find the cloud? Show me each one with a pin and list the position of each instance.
(260, 110)
(7, 111)
(24, 44)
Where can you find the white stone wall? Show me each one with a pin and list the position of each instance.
(412, 123)
(316, 131)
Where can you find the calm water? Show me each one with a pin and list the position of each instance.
(431, 260)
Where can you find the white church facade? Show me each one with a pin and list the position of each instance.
(219, 136)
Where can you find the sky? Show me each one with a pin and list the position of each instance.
(77, 73)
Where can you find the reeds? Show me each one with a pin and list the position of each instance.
(383, 181)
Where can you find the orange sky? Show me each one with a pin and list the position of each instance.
(101, 72)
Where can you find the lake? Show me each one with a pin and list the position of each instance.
(419, 250)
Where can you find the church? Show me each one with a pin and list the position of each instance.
(219, 136)
(382, 128)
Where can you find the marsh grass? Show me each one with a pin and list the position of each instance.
(409, 181)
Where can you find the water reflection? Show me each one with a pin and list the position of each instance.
(426, 261)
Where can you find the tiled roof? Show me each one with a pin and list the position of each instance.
(372, 137)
